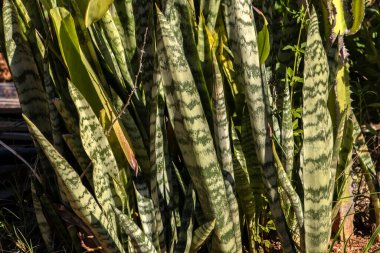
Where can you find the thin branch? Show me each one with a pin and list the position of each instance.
(142, 52)
(22, 159)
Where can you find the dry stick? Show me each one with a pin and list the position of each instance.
(124, 108)
(22, 159)
(142, 52)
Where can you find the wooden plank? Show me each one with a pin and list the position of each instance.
(15, 136)
(8, 90)
(14, 126)
(9, 103)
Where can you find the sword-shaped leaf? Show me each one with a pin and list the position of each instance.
(98, 150)
(140, 241)
(148, 212)
(287, 139)
(115, 42)
(185, 234)
(193, 135)
(201, 235)
(80, 199)
(43, 225)
(210, 12)
(241, 31)
(223, 145)
(125, 23)
(85, 78)
(317, 143)
(161, 178)
(27, 80)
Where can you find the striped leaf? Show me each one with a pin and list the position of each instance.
(223, 146)
(43, 225)
(70, 122)
(287, 186)
(24, 70)
(317, 143)
(143, 12)
(182, 23)
(185, 234)
(161, 176)
(99, 151)
(115, 41)
(28, 82)
(201, 235)
(140, 241)
(125, 23)
(80, 199)
(148, 212)
(287, 139)
(193, 135)
(241, 31)
(210, 12)
(243, 188)
(85, 78)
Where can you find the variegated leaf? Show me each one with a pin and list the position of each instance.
(223, 146)
(242, 37)
(193, 135)
(85, 78)
(28, 82)
(43, 225)
(185, 234)
(98, 150)
(80, 199)
(148, 212)
(140, 241)
(201, 235)
(317, 143)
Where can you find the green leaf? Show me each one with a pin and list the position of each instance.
(93, 10)
(125, 23)
(115, 41)
(263, 42)
(210, 11)
(287, 138)
(75, 146)
(201, 235)
(372, 239)
(85, 79)
(357, 11)
(185, 233)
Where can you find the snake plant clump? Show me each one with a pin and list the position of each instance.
(172, 125)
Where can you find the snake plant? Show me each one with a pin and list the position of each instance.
(156, 126)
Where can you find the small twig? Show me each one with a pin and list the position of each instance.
(142, 52)
(22, 159)
(85, 170)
